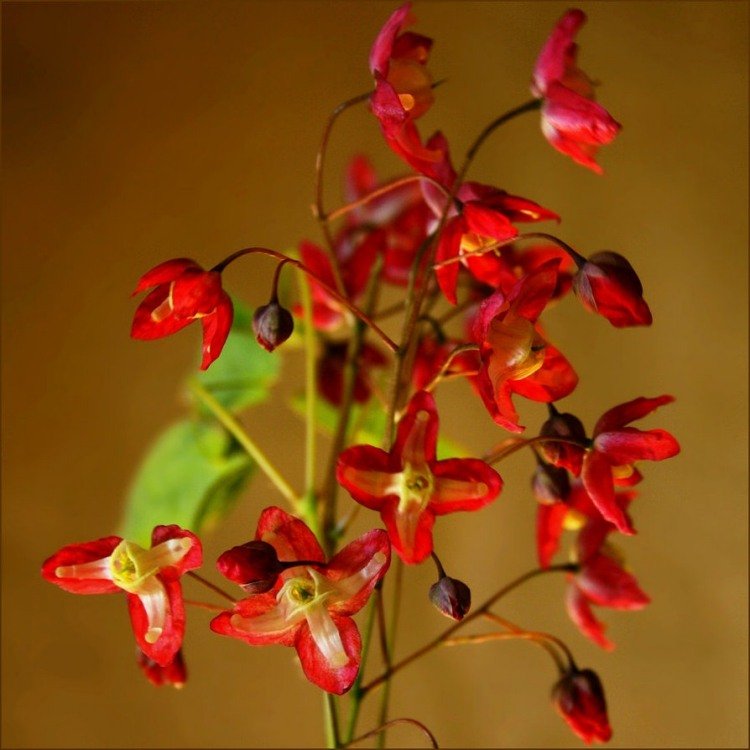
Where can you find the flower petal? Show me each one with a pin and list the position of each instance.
(368, 474)
(416, 439)
(145, 327)
(554, 380)
(165, 273)
(216, 327)
(258, 621)
(579, 611)
(194, 557)
(604, 582)
(410, 532)
(463, 484)
(291, 537)
(78, 575)
(158, 619)
(549, 528)
(624, 414)
(596, 475)
(627, 445)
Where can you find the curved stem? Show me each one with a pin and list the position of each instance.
(442, 373)
(382, 190)
(386, 675)
(330, 290)
(388, 724)
(250, 446)
(216, 589)
(521, 443)
(204, 605)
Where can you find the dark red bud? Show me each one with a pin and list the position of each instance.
(273, 325)
(562, 454)
(254, 565)
(608, 285)
(579, 699)
(550, 484)
(452, 597)
(174, 674)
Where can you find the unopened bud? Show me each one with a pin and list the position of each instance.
(608, 285)
(559, 453)
(254, 565)
(174, 673)
(550, 484)
(451, 597)
(579, 699)
(273, 325)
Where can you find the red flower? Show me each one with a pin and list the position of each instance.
(572, 121)
(184, 292)
(579, 699)
(174, 673)
(432, 354)
(515, 356)
(331, 366)
(608, 285)
(310, 606)
(615, 449)
(409, 487)
(149, 577)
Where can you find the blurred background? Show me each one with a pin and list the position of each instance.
(138, 132)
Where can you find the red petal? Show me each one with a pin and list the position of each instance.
(554, 380)
(145, 328)
(448, 247)
(360, 178)
(170, 640)
(382, 47)
(352, 559)
(607, 584)
(194, 557)
(216, 327)
(386, 105)
(291, 537)
(555, 55)
(254, 607)
(549, 528)
(463, 484)
(410, 533)
(580, 613)
(488, 223)
(533, 292)
(623, 414)
(597, 479)
(165, 273)
(416, 439)
(625, 446)
(77, 554)
(367, 473)
(577, 118)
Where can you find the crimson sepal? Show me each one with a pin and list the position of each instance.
(409, 487)
(579, 699)
(515, 356)
(254, 565)
(184, 292)
(572, 121)
(616, 446)
(608, 285)
(310, 605)
(174, 673)
(558, 453)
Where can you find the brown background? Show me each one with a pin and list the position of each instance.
(136, 132)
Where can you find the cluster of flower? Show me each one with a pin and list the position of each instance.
(467, 233)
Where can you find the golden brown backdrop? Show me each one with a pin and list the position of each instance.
(136, 132)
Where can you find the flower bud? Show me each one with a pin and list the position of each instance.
(273, 325)
(254, 565)
(452, 597)
(608, 285)
(579, 699)
(561, 454)
(550, 484)
(174, 673)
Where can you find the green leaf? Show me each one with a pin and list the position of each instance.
(245, 371)
(192, 476)
(369, 425)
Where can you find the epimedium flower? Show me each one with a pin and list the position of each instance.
(515, 356)
(409, 486)
(183, 292)
(608, 285)
(579, 698)
(615, 449)
(310, 604)
(572, 121)
(174, 673)
(149, 578)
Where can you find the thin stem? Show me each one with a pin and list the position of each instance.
(382, 190)
(529, 106)
(330, 290)
(204, 605)
(356, 703)
(390, 643)
(386, 675)
(250, 446)
(442, 373)
(333, 740)
(521, 443)
(216, 589)
(388, 724)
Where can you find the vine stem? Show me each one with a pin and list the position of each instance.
(388, 724)
(521, 443)
(448, 633)
(330, 290)
(443, 372)
(204, 605)
(250, 446)
(216, 589)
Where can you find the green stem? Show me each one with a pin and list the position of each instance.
(389, 644)
(331, 723)
(250, 446)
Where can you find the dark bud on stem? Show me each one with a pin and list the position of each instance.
(579, 699)
(550, 484)
(451, 597)
(273, 325)
(254, 565)
(561, 454)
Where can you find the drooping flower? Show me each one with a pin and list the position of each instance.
(451, 597)
(579, 698)
(567, 455)
(272, 325)
(174, 673)
(608, 285)
(149, 578)
(409, 486)
(616, 447)
(516, 358)
(572, 121)
(184, 292)
(310, 605)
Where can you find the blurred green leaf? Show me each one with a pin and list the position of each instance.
(191, 476)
